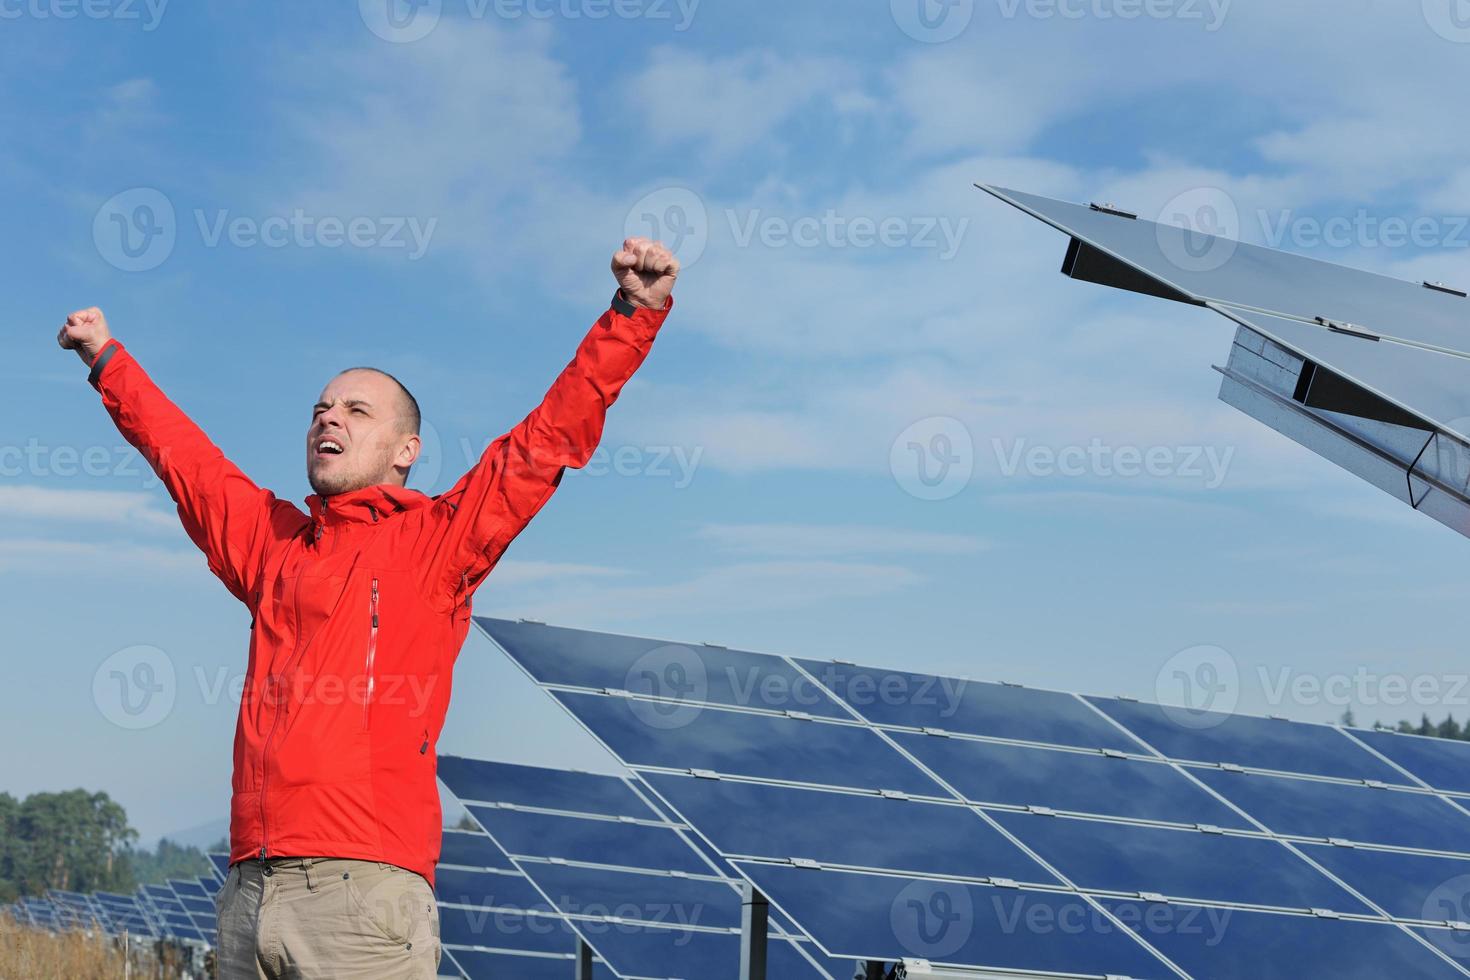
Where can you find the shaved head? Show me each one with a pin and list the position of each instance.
(408, 414)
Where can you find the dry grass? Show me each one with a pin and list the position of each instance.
(33, 954)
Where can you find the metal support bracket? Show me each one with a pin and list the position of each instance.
(755, 914)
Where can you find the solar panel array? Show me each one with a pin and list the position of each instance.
(637, 886)
(898, 816)
(1371, 372)
(180, 910)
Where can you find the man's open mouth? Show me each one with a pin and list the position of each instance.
(329, 447)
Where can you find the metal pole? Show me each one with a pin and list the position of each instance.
(754, 918)
(584, 960)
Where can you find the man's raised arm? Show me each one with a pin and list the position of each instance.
(227, 516)
(481, 514)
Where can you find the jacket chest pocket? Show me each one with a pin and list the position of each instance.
(370, 653)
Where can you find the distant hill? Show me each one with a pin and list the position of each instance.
(203, 836)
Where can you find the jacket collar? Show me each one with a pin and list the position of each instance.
(366, 506)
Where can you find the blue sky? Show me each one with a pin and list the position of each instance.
(846, 293)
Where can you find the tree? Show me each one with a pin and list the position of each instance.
(69, 840)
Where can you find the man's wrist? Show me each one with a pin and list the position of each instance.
(99, 361)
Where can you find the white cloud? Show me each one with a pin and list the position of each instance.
(120, 508)
(40, 556)
(736, 102)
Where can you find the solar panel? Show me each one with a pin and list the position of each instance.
(1258, 743)
(1363, 814)
(492, 922)
(763, 746)
(885, 836)
(1368, 371)
(869, 916)
(901, 698)
(1441, 763)
(629, 881)
(221, 865)
(654, 668)
(1251, 277)
(1180, 863)
(1272, 946)
(1129, 787)
(756, 820)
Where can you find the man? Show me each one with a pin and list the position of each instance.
(359, 607)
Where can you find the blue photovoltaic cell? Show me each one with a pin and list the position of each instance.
(988, 772)
(1273, 946)
(221, 864)
(589, 840)
(882, 917)
(1258, 743)
(1306, 808)
(688, 673)
(891, 697)
(505, 930)
(1406, 886)
(1241, 274)
(754, 820)
(188, 888)
(652, 898)
(479, 965)
(1442, 763)
(487, 889)
(472, 849)
(548, 789)
(744, 744)
(1454, 943)
(690, 954)
(1184, 864)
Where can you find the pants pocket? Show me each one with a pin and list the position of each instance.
(396, 904)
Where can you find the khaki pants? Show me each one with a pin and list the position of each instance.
(326, 919)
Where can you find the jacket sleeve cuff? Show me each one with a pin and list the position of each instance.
(622, 306)
(100, 361)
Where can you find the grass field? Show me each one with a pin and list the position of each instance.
(33, 954)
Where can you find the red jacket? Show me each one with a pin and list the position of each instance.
(361, 604)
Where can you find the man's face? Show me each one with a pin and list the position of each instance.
(359, 435)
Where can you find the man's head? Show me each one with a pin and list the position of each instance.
(364, 431)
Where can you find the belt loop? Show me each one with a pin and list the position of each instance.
(306, 867)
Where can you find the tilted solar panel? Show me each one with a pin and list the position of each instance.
(629, 881)
(1251, 277)
(492, 922)
(1368, 371)
(886, 835)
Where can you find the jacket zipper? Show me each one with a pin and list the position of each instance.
(372, 653)
(265, 749)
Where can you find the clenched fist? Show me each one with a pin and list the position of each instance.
(85, 332)
(646, 271)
